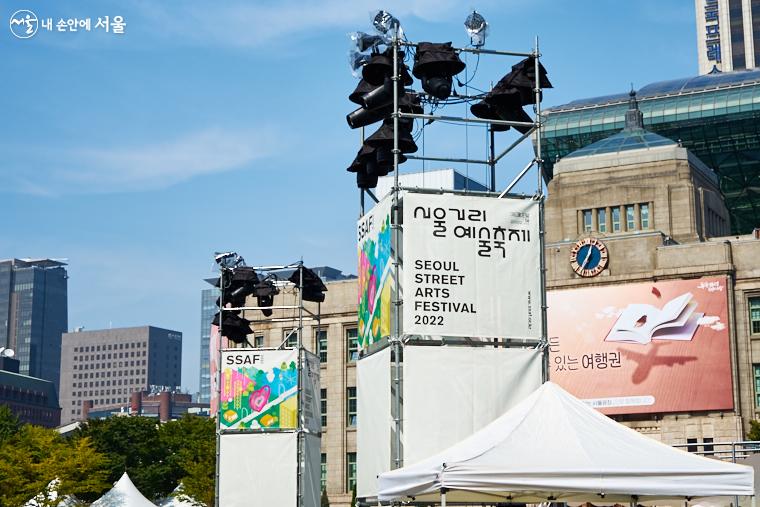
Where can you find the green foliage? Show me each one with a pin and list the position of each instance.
(9, 423)
(191, 442)
(33, 456)
(158, 457)
(754, 430)
(324, 501)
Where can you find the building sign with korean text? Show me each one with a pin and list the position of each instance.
(643, 348)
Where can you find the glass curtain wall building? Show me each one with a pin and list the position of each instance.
(208, 310)
(34, 314)
(716, 116)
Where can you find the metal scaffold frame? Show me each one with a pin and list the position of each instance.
(301, 315)
(397, 339)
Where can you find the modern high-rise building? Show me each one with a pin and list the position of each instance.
(34, 314)
(208, 309)
(106, 366)
(728, 34)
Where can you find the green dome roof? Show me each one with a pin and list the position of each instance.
(626, 139)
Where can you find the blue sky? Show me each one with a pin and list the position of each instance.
(220, 126)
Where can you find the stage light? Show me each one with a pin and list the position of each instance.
(477, 29)
(434, 65)
(313, 288)
(511, 93)
(234, 327)
(265, 292)
(380, 67)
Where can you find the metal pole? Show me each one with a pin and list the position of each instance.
(544, 306)
(517, 142)
(300, 429)
(443, 497)
(541, 222)
(517, 178)
(395, 338)
(538, 124)
(492, 157)
(219, 385)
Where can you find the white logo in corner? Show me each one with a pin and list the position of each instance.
(24, 24)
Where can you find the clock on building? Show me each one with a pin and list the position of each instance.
(588, 257)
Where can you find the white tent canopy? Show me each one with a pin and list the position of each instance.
(123, 494)
(552, 446)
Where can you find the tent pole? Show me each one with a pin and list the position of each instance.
(443, 497)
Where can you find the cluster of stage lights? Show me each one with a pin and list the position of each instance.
(237, 282)
(435, 65)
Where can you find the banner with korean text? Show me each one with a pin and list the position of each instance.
(471, 266)
(649, 347)
(259, 389)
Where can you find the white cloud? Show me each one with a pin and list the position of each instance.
(147, 167)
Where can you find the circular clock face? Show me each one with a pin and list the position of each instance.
(588, 257)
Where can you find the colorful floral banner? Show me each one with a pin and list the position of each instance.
(259, 389)
(375, 274)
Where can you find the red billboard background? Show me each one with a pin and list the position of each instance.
(643, 348)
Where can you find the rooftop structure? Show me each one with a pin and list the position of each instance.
(716, 116)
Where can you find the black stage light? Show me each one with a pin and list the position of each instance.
(435, 64)
(383, 138)
(512, 92)
(313, 288)
(265, 292)
(380, 66)
(235, 327)
(377, 104)
(486, 111)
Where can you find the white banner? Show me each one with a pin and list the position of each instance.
(258, 470)
(471, 266)
(374, 420)
(452, 392)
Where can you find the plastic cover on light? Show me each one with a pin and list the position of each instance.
(384, 22)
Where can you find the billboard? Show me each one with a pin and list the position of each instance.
(375, 274)
(259, 389)
(471, 266)
(643, 348)
(214, 347)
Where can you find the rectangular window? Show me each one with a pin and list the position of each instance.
(323, 406)
(292, 338)
(616, 219)
(351, 406)
(692, 448)
(587, 220)
(350, 471)
(321, 345)
(323, 472)
(630, 222)
(601, 218)
(756, 368)
(352, 344)
(708, 447)
(754, 315)
(644, 212)
(258, 341)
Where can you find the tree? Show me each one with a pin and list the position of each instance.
(754, 430)
(33, 457)
(9, 423)
(133, 445)
(191, 443)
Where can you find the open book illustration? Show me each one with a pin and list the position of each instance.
(640, 323)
